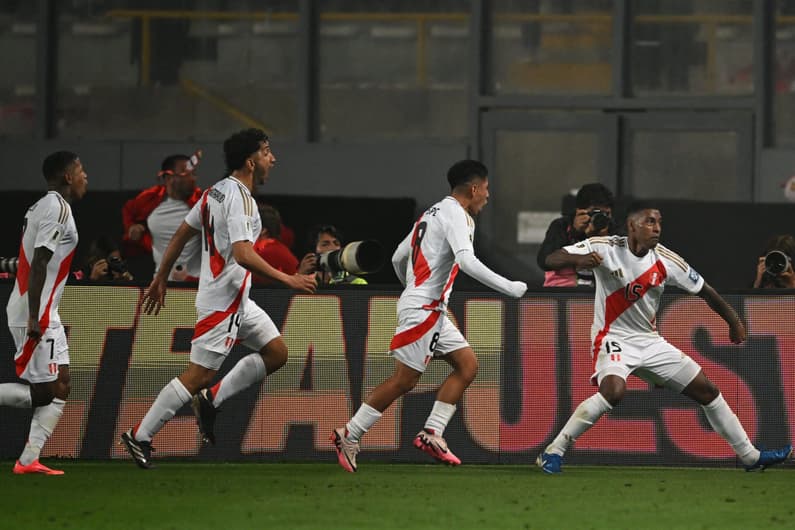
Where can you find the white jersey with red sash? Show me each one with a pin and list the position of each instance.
(226, 214)
(48, 223)
(629, 288)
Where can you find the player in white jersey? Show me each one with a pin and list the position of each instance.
(228, 219)
(49, 239)
(631, 273)
(426, 262)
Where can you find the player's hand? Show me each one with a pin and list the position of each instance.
(588, 261)
(308, 264)
(517, 289)
(136, 231)
(302, 282)
(155, 296)
(737, 333)
(34, 330)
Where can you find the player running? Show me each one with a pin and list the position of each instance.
(631, 272)
(49, 239)
(427, 262)
(228, 218)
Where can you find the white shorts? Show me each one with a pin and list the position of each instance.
(217, 332)
(422, 335)
(38, 363)
(654, 360)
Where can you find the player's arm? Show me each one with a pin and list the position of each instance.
(247, 257)
(38, 275)
(457, 235)
(155, 296)
(562, 258)
(401, 257)
(726, 312)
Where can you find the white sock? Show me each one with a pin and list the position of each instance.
(439, 417)
(725, 423)
(361, 422)
(15, 395)
(41, 427)
(585, 415)
(248, 370)
(173, 396)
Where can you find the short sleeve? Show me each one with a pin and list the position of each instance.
(194, 217)
(679, 272)
(238, 221)
(580, 248)
(52, 226)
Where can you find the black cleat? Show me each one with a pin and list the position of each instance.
(205, 413)
(140, 451)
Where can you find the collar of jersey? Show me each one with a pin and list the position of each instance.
(246, 187)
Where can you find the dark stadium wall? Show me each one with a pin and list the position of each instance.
(534, 369)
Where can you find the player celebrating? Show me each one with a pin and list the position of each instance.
(631, 272)
(427, 262)
(49, 239)
(228, 217)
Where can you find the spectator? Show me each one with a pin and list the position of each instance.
(104, 262)
(593, 216)
(774, 268)
(152, 217)
(327, 238)
(271, 248)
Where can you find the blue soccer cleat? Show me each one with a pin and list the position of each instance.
(549, 463)
(771, 458)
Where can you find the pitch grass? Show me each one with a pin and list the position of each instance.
(183, 495)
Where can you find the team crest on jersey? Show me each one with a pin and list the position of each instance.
(693, 275)
(579, 245)
(618, 273)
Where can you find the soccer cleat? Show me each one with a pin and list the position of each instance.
(140, 451)
(205, 413)
(549, 463)
(769, 458)
(35, 467)
(346, 449)
(428, 442)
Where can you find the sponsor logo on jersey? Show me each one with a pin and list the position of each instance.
(618, 273)
(217, 195)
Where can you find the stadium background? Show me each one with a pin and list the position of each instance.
(535, 365)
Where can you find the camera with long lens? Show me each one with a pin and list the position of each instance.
(776, 262)
(116, 264)
(357, 257)
(9, 265)
(599, 219)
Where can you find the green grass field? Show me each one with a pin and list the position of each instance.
(250, 495)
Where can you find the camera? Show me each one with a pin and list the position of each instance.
(776, 262)
(599, 219)
(116, 264)
(9, 265)
(357, 257)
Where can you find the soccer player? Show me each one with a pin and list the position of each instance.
(427, 262)
(49, 239)
(228, 218)
(631, 272)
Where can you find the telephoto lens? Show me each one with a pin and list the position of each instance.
(776, 262)
(9, 265)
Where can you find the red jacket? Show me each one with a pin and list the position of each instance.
(277, 255)
(137, 211)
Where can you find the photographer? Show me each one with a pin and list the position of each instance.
(593, 216)
(325, 239)
(104, 263)
(774, 268)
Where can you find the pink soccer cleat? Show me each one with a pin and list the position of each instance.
(35, 467)
(428, 442)
(346, 450)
